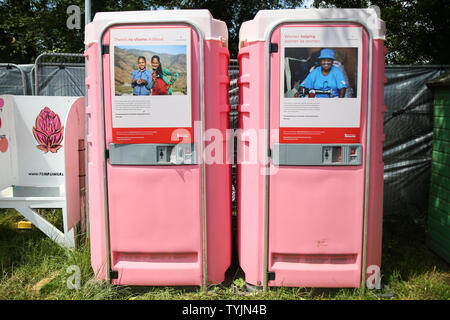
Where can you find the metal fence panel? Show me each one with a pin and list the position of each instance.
(12, 79)
(61, 80)
(59, 74)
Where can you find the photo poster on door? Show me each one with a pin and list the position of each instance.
(151, 101)
(316, 114)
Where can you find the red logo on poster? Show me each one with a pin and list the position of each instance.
(48, 131)
(3, 143)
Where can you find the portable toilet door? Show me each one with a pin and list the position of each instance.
(316, 212)
(159, 215)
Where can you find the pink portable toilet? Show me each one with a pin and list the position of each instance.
(310, 208)
(160, 211)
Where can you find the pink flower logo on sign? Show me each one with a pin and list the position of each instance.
(48, 131)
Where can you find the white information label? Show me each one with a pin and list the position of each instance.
(151, 77)
(321, 77)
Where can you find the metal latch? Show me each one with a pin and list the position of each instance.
(273, 47)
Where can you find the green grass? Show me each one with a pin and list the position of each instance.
(409, 269)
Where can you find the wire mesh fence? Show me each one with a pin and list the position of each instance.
(59, 74)
(12, 79)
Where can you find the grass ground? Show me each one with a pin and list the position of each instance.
(28, 259)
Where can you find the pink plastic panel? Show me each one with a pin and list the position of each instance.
(375, 221)
(316, 211)
(218, 173)
(250, 182)
(155, 211)
(75, 131)
(94, 166)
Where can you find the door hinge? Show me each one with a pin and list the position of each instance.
(270, 276)
(113, 274)
(105, 49)
(273, 47)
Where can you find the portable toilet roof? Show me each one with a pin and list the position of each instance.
(212, 29)
(266, 20)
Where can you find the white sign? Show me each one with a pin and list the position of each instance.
(316, 95)
(151, 77)
(35, 128)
